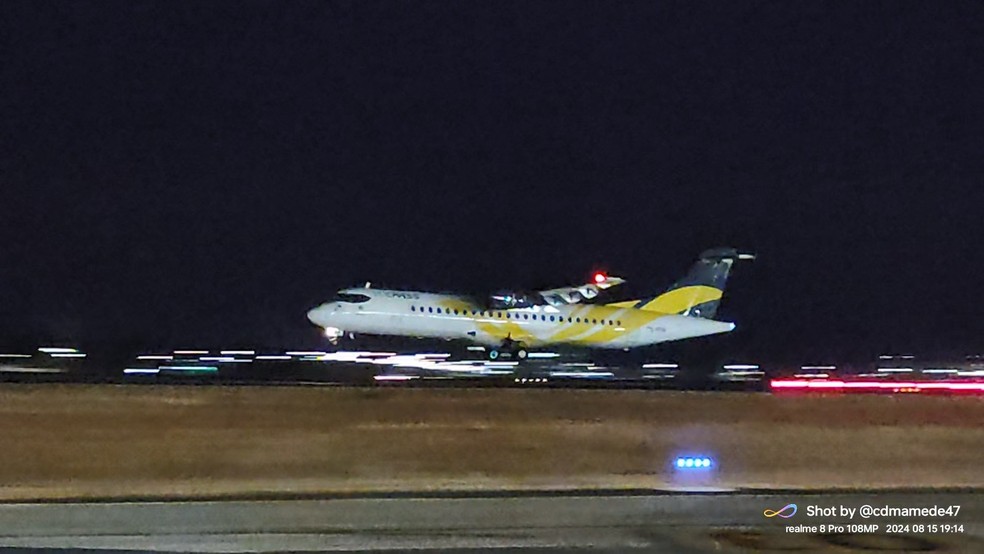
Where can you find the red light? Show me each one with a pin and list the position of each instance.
(895, 386)
(599, 278)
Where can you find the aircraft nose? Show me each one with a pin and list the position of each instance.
(319, 315)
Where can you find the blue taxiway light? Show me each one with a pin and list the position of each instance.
(695, 462)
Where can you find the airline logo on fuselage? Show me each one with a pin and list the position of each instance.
(403, 295)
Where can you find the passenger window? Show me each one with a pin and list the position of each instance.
(619, 323)
(526, 316)
(578, 320)
(551, 318)
(430, 309)
(413, 309)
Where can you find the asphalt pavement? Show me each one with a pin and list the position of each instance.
(612, 521)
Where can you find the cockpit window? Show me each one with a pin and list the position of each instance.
(351, 298)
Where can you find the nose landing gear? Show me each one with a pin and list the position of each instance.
(333, 334)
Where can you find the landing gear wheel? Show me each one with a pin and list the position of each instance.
(509, 349)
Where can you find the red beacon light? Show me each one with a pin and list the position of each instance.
(599, 278)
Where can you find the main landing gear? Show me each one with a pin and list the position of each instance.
(509, 349)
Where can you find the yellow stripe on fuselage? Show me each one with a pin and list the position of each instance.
(623, 304)
(631, 320)
(680, 300)
(506, 328)
(624, 321)
(571, 329)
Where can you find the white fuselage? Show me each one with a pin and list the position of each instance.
(421, 314)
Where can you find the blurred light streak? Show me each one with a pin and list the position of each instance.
(582, 374)
(953, 386)
(208, 368)
(394, 377)
(20, 369)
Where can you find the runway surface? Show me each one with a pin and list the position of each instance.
(606, 521)
(431, 364)
(444, 365)
(259, 469)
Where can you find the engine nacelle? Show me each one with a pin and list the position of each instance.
(506, 300)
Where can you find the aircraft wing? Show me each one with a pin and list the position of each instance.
(554, 297)
(575, 294)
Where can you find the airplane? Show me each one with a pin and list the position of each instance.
(512, 322)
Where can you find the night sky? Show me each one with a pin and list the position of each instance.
(185, 173)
